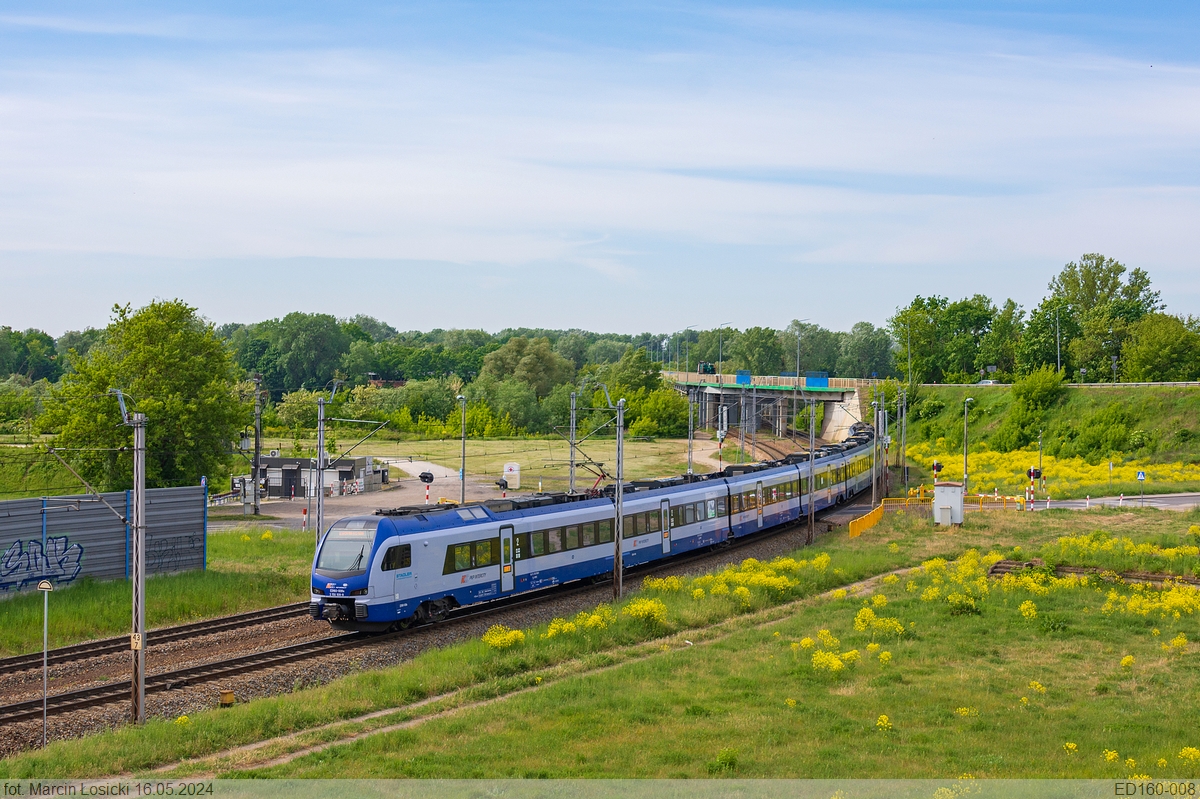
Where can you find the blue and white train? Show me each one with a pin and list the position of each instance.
(416, 564)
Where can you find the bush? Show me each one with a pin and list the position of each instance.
(1040, 389)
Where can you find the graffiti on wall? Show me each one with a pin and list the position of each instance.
(27, 562)
(175, 553)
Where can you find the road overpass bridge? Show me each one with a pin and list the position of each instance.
(767, 401)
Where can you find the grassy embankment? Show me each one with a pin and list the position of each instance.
(242, 575)
(717, 676)
(1152, 429)
(25, 473)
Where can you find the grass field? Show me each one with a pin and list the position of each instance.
(995, 690)
(242, 575)
(547, 460)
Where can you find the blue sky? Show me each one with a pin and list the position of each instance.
(612, 166)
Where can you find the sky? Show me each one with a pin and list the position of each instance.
(618, 167)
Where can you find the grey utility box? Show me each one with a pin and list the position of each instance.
(947, 504)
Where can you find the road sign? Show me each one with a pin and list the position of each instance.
(1141, 477)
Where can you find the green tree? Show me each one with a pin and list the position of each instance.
(1162, 347)
(819, 347)
(998, 347)
(965, 323)
(174, 369)
(634, 372)
(606, 350)
(662, 412)
(1049, 331)
(532, 362)
(298, 351)
(866, 352)
(298, 409)
(758, 349)
(918, 330)
(1096, 280)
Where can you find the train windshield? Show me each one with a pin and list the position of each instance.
(347, 547)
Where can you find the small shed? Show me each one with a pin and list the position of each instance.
(947, 503)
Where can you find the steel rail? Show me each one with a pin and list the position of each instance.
(162, 635)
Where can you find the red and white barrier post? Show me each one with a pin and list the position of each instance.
(304, 518)
(427, 493)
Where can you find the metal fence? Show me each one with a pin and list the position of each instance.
(923, 505)
(863, 523)
(64, 538)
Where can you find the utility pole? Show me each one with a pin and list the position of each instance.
(812, 460)
(874, 452)
(742, 425)
(754, 423)
(320, 526)
(904, 437)
(691, 428)
(1057, 341)
(571, 488)
(462, 470)
(884, 445)
(257, 436)
(137, 641)
(1041, 474)
(619, 504)
(966, 474)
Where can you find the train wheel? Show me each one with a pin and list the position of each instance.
(438, 610)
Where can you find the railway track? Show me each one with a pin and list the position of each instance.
(67, 702)
(163, 635)
(1009, 566)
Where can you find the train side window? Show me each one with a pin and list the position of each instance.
(751, 499)
(485, 552)
(604, 530)
(520, 546)
(462, 557)
(699, 510)
(655, 521)
(627, 527)
(554, 538)
(689, 514)
(573, 537)
(538, 543)
(640, 520)
(676, 516)
(397, 557)
(711, 507)
(720, 506)
(587, 534)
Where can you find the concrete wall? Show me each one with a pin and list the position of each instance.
(62, 539)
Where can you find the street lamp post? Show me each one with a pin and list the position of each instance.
(721, 352)
(966, 404)
(45, 586)
(462, 469)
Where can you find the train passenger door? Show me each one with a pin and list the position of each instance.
(506, 558)
(758, 489)
(665, 510)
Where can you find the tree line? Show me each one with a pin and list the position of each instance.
(197, 380)
(1099, 322)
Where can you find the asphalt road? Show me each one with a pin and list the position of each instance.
(1178, 502)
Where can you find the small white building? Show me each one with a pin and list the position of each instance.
(947, 504)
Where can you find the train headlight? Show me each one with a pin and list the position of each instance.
(358, 592)
(318, 591)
